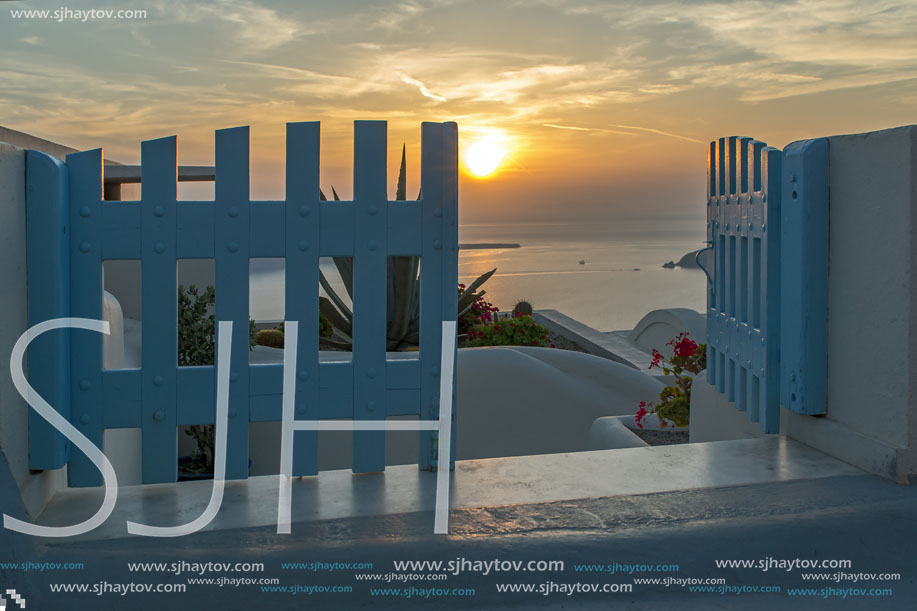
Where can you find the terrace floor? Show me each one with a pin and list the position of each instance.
(494, 482)
(687, 505)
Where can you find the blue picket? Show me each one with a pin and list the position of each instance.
(158, 299)
(231, 261)
(303, 244)
(370, 275)
(85, 176)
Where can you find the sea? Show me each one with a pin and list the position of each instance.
(606, 274)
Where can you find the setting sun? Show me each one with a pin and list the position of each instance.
(484, 156)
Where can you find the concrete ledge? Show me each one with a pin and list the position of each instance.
(494, 482)
(594, 342)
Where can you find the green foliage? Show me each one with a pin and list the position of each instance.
(196, 346)
(196, 339)
(521, 331)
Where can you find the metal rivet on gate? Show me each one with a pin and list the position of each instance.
(372, 245)
(157, 380)
(233, 376)
(84, 384)
(438, 212)
(793, 178)
(232, 412)
(762, 341)
(159, 415)
(739, 227)
(764, 227)
(233, 211)
(434, 370)
(794, 195)
(232, 246)
(303, 376)
(303, 245)
(84, 212)
(727, 226)
(159, 247)
(372, 209)
(371, 406)
(371, 372)
(437, 244)
(764, 197)
(159, 211)
(85, 247)
(304, 210)
(301, 409)
(84, 419)
(751, 226)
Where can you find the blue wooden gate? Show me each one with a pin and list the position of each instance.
(71, 231)
(743, 301)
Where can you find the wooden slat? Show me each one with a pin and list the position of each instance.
(370, 294)
(431, 297)
(158, 295)
(804, 291)
(302, 247)
(85, 176)
(48, 261)
(231, 250)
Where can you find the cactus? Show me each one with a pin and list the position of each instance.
(272, 338)
(522, 308)
(403, 301)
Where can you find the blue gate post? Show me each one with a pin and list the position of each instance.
(48, 263)
(804, 358)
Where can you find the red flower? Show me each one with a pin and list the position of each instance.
(657, 357)
(641, 414)
(685, 348)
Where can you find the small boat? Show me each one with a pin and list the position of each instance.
(582, 262)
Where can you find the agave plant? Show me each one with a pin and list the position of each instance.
(403, 294)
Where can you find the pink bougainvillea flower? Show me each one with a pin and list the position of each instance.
(641, 414)
(685, 348)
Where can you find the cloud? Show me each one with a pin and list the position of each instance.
(423, 88)
(258, 28)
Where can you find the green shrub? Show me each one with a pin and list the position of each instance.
(520, 331)
(196, 343)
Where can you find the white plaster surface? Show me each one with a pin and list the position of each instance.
(476, 483)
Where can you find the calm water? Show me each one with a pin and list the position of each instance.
(622, 278)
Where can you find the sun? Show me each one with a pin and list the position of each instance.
(484, 156)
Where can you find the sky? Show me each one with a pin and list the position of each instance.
(603, 109)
